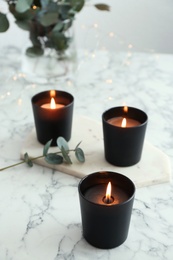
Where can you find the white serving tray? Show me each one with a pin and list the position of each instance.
(154, 167)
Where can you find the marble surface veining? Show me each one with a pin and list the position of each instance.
(39, 208)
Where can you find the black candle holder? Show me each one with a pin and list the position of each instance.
(106, 225)
(52, 123)
(123, 145)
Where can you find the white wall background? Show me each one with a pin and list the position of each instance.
(147, 25)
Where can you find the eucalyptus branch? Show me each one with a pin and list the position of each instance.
(53, 158)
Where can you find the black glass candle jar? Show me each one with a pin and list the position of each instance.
(106, 223)
(123, 144)
(53, 122)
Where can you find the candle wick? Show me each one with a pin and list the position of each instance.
(108, 200)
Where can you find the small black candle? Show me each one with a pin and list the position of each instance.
(53, 112)
(124, 132)
(106, 219)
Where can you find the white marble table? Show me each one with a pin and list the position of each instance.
(39, 208)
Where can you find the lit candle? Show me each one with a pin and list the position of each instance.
(52, 105)
(106, 218)
(123, 122)
(53, 111)
(124, 131)
(114, 194)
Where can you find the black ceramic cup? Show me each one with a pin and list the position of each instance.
(123, 145)
(106, 225)
(52, 123)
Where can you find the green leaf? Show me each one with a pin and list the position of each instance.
(23, 5)
(59, 40)
(65, 155)
(80, 155)
(28, 160)
(46, 147)
(34, 51)
(78, 4)
(64, 12)
(4, 23)
(102, 7)
(53, 158)
(78, 145)
(28, 15)
(24, 25)
(61, 142)
(58, 27)
(48, 19)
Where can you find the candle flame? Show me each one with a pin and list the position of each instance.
(52, 103)
(52, 93)
(108, 192)
(125, 109)
(124, 122)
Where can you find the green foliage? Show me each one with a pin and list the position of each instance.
(28, 160)
(80, 155)
(34, 51)
(61, 142)
(46, 147)
(65, 155)
(4, 23)
(102, 7)
(53, 158)
(46, 20)
(23, 5)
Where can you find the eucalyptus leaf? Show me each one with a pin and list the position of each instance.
(26, 157)
(24, 25)
(4, 23)
(46, 147)
(78, 145)
(34, 51)
(61, 142)
(28, 160)
(30, 163)
(23, 5)
(52, 7)
(59, 41)
(102, 7)
(78, 4)
(80, 155)
(58, 27)
(64, 12)
(48, 19)
(27, 15)
(53, 158)
(68, 24)
(65, 155)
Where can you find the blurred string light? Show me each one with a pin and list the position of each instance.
(18, 76)
(100, 35)
(101, 40)
(19, 102)
(11, 83)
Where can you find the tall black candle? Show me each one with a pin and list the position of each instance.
(50, 122)
(124, 131)
(106, 223)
